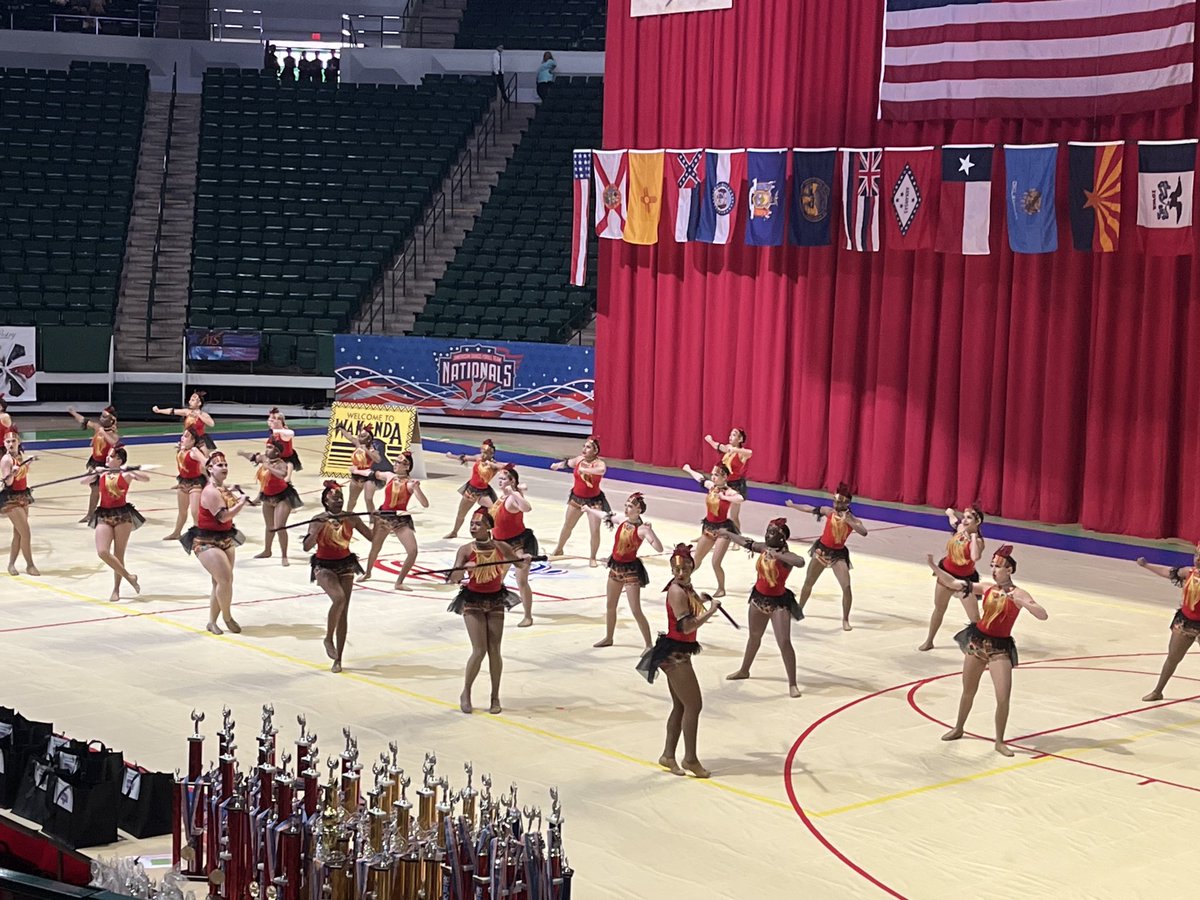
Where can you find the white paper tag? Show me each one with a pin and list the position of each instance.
(55, 743)
(5, 729)
(1, 762)
(64, 797)
(68, 762)
(132, 788)
(41, 774)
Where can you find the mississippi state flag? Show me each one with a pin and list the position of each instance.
(965, 214)
(1094, 194)
(1166, 170)
(582, 176)
(612, 189)
(685, 182)
(861, 173)
(724, 172)
(909, 197)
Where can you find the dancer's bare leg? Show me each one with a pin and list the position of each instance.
(674, 729)
(268, 514)
(757, 627)
(973, 668)
(1177, 649)
(526, 592)
(594, 528)
(781, 623)
(477, 630)
(941, 601)
(464, 505)
(182, 499)
(634, 593)
(408, 540)
(1001, 669)
(495, 634)
(687, 688)
(282, 511)
(570, 520)
(842, 573)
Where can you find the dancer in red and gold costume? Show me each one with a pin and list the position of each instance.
(284, 436)
(392, 517)
(1185, 626)
(364, 458)
(508, 514)
(15, 498)
(214, 539)
(6, 422)
(829, 550)
(482, 602)
(672, 653)
(194, 418)
(718, 519)
(625, 571)
(478, 489)
(963, 551)
(735, 456)
(104, 437)
(987, 642)
(588, 469)
(115, 518)
(334, 566)
(277, 496)
(771, 602)
(189, 461)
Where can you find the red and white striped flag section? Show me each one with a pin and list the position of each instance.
(611, 171)
(1166, 180)
(861, 173)
(582, 174)
(962, 59)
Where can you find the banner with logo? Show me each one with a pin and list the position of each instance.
(18, 366)
(395, 427)
(468, 378)
(667, 7)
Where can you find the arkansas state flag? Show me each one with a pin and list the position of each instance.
(812, 191)
(1094, 194)
(766, 172)
(860, 197)
(612, 187)
(1029, 177)
(1166, 170)
(724, 172)
(645, 196)
(909, 197)
(685, 183)
(965, 209)
(582, 176)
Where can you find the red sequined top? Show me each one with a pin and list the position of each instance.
(772, 576)
(626, 543)
(999, 612)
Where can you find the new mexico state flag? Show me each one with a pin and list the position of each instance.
(645, 196)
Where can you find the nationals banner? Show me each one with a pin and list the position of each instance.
(468, 378)
(18, 369)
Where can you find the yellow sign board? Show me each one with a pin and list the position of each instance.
(396, 426)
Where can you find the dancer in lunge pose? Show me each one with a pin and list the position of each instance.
(829, 550)
(104, 437)
(588, 469)
(625, 571)
(189, 460)
(508, 514)
(194, 418)
(1185, 626)
(963, 550)
(478, 489)
(771, 602)
(717, 519)
(285, 436)
(334, 566)
(987, 642)
(672, 653)
(735, 456)
(391, 518)
(115, 518)
(277, 496)
(15, 497)
(214, 539)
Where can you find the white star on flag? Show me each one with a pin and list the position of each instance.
(965, 165)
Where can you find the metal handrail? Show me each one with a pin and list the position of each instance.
(96, 20)
(162, 206)
(216, 29)
(405, 25)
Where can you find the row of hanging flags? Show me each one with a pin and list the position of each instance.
(898, 198)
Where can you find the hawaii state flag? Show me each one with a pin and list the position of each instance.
(1166, 172)
(965, 202)
(612, 189)
(582, 176)
(645, 196)
(724, 172)
(1094, 194)
(766, 172)
(909, 197)
(685, 183)
(1029, 176)
(861, 175)
(812, 192)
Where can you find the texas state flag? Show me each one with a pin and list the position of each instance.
(965, 211)
(1166, 174)
(724, 173)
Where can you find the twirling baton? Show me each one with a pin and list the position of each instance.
(329, 518)
(494, 562)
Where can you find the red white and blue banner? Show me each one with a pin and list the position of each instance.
(861, 174)
(724, 171)
(466, 378)
(685, 182)
(965, 214)
(581, 167)
(1166, 183)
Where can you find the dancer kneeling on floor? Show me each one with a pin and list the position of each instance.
(333, 565)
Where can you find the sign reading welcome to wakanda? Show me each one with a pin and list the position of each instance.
(468, 378)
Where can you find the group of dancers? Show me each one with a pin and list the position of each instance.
(494, 505)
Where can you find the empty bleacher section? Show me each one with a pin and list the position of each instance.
(129, 18)
(306, 192)
(68, 152)
(509, 277)
(533, 25)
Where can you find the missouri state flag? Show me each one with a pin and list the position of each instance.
(611, 177)
(582, 176)
(910, 193)
(684, 175)
(1094, 194)
(965, 200)
(645, 196)
(1029, 184)
(724, 173)
(766, 176)
(1166, 171)
(811, 199)
(861, 175)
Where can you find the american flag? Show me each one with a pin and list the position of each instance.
(954, 59)
(580, 217)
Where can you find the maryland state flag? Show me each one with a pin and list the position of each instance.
(1166, 178)
(645, 196)
(1094, 194)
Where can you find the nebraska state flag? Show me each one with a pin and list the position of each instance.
(724, 172)
(910, 188)
(860, 197)
(645, 196)
(611, 177)
(685, 183)
(1166, 172)
(1094, 194)
(965, 201)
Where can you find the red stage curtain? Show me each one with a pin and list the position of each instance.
(1060, 387)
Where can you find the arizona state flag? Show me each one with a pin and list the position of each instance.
(1166, 178)
(910, 190)
(1094, 194)
(645, 196)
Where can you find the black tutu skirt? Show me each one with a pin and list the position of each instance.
(288, 496)
(471, 492)
(973, 577)
(93, 464)
(467, 599)
(190, 484)
(394, 521)
(1184, 624)
(10, 499)
(347, 565)
(117, 515)
(975, 643)
(206, 442)
(828, 556)
(786, 600)
(598, 502)
(715, 528)
(664, 649)
(363, 479)
(196, 539)
(525, 542)
(632, 572)
(294, 459)
(738, 485)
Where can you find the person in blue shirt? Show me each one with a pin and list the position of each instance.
(545, 74)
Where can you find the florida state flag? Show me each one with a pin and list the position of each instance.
(611, 169)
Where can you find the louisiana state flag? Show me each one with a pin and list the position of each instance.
(724, 172)
(1029, 175)
(645, 196)
(766, 172)
(1094, 194)
(1166, 177)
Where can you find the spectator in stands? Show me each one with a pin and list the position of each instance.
(545, 74)
(317, 72)
(304, 67)
(333, 68)
(498, 71)
(271, 61)
(289, 68)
